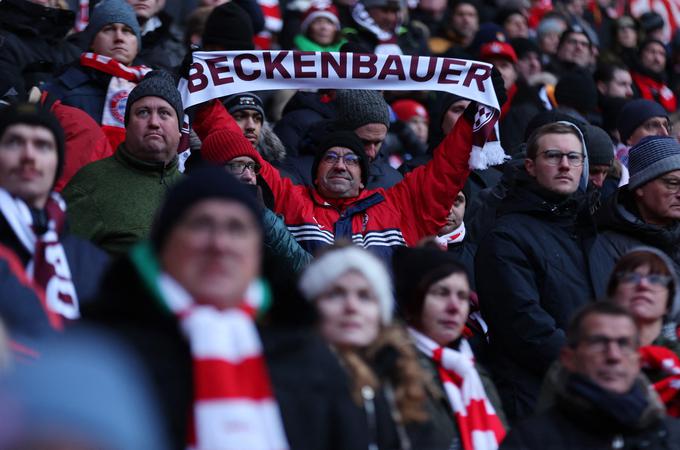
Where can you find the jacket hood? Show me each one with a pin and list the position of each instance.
(26, 18)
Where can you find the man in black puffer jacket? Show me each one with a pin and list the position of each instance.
(531, 268)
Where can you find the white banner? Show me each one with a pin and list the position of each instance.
(218, 74)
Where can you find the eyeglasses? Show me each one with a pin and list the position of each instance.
(672, 185)
(636, 278)
(332, 158)
(582, 43)
(237, 168)
(600, 344)
(554, 158)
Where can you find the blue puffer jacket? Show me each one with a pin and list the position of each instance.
(83, 88)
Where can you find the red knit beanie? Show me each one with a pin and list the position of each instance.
(222, 146)
(326, 10)
(407, 109)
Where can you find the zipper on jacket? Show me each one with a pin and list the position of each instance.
(368, 395)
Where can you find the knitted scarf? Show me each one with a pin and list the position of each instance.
(234, 407)
(665, 361)
(123, 80)
(479, 426)
(655, 90)
(48, 266)
(453, 237)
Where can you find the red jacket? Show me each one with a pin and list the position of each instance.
(377, 219)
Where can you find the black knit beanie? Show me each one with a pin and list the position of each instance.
(202, 183)
(635, 113)
(345, 139)
(415, 270)
(33, 114)
(360, 107)
(599, 146)
(157, 83)
(577, 89)
(229, 27)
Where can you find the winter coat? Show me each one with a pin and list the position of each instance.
(465, 252)
(278, 240)
(307, 380)
(86, 262)
(652, 86)
(83, 88)
(112, 202)
(163, 48)
(572, 422)
(532, 275)
(621, 229)
(32, 45)
(411, 40)
(302, 110)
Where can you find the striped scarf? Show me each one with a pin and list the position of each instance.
(123, 80)
(234, 407)
(664, 361)
(479, 426)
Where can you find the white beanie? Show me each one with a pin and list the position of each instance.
(332, 265)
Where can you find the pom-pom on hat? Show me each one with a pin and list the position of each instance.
(652, 157)
(337, 262)
(325, 10)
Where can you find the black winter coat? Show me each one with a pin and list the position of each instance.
(32, 45)
(621, 229)
(308, 382)
(532, 275)
(303, 110)
(162, 48)
(572, 423)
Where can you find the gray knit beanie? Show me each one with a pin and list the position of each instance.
(157, 83)
(600, 146)
(652, 157)
(357, 108)
(113, 11)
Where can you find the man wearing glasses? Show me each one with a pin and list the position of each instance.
(536, 255)
(647, 210)
(600, 400)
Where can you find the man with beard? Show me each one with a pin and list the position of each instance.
(649, 76)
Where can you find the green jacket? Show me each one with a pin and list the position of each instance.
(112, 201)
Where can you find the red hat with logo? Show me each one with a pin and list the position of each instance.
(498, 50)
(317, 10)
(407, 109)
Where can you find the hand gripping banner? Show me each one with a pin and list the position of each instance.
(218, 74)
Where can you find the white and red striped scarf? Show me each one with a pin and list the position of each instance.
(457, 235)
(123, 80)
(662, 359)
(234, 407)
(479, 426)
(48, 266)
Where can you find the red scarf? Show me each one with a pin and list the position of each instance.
(123, 80)
(479, 426)
(652, 89)
(48, 266)
(234, 407)
(661, 359)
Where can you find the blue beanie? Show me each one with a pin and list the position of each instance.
(652, 157)
(635, 113)
(113, 11)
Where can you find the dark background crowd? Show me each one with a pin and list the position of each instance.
(323, 269)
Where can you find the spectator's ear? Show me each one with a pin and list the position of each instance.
(530, 166)
(568, 358)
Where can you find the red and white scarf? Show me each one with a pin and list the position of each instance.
(479, 426)
(664, 360)
(48, 266)
(123, 80)
(457, 235)
(387, 41)
(234, 407)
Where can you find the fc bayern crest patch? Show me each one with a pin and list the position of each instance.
(117, 105)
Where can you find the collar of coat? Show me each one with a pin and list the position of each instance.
(125, 157)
